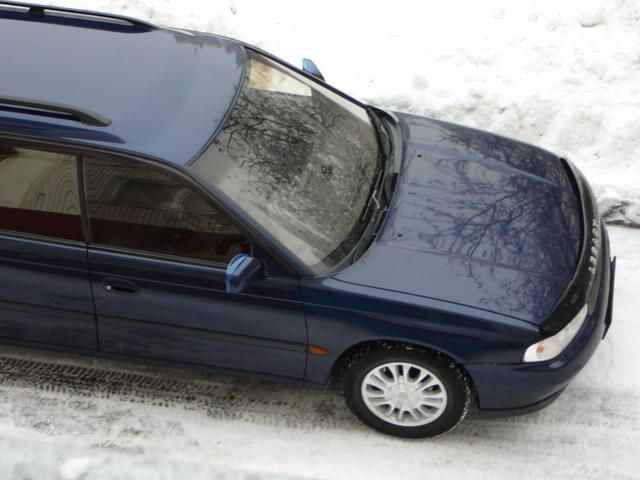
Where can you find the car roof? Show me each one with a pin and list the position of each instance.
(157, 92)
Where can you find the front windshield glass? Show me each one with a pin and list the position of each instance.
(299, 159)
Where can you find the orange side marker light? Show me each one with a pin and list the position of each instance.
(316, 350)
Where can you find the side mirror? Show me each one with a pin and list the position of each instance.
(311, 68)
(242, 271)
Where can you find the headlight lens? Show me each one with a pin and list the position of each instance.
(552, 347)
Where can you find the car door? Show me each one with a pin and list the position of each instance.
(158, 258)
(45, 293)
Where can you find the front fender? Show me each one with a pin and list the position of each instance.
(342, 315)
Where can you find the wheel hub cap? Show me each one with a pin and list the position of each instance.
(404, 394)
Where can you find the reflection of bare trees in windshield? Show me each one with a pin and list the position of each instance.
(298, 162)
(276, 147)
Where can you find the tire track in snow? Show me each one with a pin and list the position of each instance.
(237, 399)
(249, 400)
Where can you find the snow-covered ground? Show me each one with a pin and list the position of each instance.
(564, 75)
(67, 416)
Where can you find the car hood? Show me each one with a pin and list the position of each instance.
(477, 220)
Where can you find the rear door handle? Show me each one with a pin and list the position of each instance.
(118, 285)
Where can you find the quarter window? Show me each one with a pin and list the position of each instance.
(139, 207)
(39, 193)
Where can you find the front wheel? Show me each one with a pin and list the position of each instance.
(407, 393)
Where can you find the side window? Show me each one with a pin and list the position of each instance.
(39, 193)
(136, 206)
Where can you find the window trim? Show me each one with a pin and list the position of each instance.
(86, 226)
(41, 238)
(193, 181)
(158, 256)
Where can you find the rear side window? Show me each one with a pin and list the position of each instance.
(136, 206)
(39, 193)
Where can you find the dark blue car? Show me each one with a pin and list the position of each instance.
(187, 199)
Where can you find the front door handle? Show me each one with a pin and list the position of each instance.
(118, 285)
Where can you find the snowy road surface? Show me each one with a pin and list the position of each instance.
(69, 417)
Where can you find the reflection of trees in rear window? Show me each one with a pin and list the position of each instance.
(298, 158)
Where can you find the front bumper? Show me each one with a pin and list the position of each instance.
(511, 389)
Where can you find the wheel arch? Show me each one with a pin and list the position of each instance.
(339, 366)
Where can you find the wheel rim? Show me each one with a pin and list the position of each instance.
(404, 394)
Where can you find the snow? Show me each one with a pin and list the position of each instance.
(75, 468)
(563, 75)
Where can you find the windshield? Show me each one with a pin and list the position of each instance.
(299, 159)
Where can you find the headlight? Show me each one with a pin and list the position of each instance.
(552, 347)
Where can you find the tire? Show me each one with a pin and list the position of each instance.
(431, 398)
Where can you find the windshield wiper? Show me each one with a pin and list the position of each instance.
(381, 132)
(372, 201)
(381, 184)
(381, 191)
